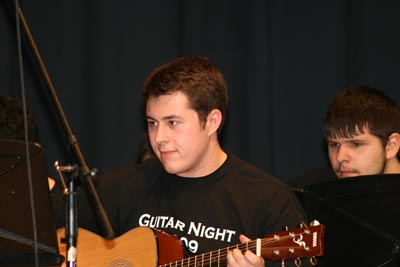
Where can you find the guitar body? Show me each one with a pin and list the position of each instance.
(139, 247)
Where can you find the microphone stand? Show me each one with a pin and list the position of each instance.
(84, 171)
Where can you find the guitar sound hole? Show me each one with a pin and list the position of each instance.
(120, 263)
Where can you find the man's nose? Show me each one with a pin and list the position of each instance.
(161, 134)
(342, 153)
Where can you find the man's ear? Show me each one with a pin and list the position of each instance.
(393, 145)
(214, 120)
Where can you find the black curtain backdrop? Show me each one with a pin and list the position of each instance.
(283, 62)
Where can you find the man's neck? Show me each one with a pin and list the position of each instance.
(392, 166)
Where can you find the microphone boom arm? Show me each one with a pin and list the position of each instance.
(72, 141)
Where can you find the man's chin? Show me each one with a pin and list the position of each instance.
(344, 175)
(172, 168)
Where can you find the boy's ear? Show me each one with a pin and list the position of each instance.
(393, 145)
(214, 120)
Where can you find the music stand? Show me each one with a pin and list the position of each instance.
(361, 217)
(16, 230)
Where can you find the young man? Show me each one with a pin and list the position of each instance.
(354, 198)
(362, 131)
(193, 189)
(12, 122)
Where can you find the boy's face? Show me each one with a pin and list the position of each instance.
(176, 135)
(363, 154)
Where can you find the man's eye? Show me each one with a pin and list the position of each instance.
(151, 123)
(173, 123)
(333, 145)
(357, 144)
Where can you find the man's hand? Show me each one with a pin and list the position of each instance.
(236, 258)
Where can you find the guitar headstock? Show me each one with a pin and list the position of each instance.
(304, 242)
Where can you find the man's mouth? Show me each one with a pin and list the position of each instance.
(346, 173)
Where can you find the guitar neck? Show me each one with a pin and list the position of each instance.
(288, 245)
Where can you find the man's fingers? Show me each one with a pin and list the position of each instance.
(236, 258)
(253, 259)
(244, 239)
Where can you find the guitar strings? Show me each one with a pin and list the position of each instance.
(216, 255)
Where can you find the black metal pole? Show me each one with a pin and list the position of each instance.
(71, 229)
(85, 172)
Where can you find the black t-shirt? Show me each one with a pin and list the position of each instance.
(206, 213)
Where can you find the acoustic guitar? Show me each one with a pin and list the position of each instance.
(147, 247)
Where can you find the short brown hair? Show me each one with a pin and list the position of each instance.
(197, 77)
(12, 119)
(361, 108)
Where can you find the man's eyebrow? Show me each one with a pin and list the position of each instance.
(149, 117)
(169, 117)
(346, 139)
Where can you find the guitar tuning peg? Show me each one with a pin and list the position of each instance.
(313, 261)
(302, 225)
(285, 228)
(314, 223)
(283, 263)
(297, 262)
